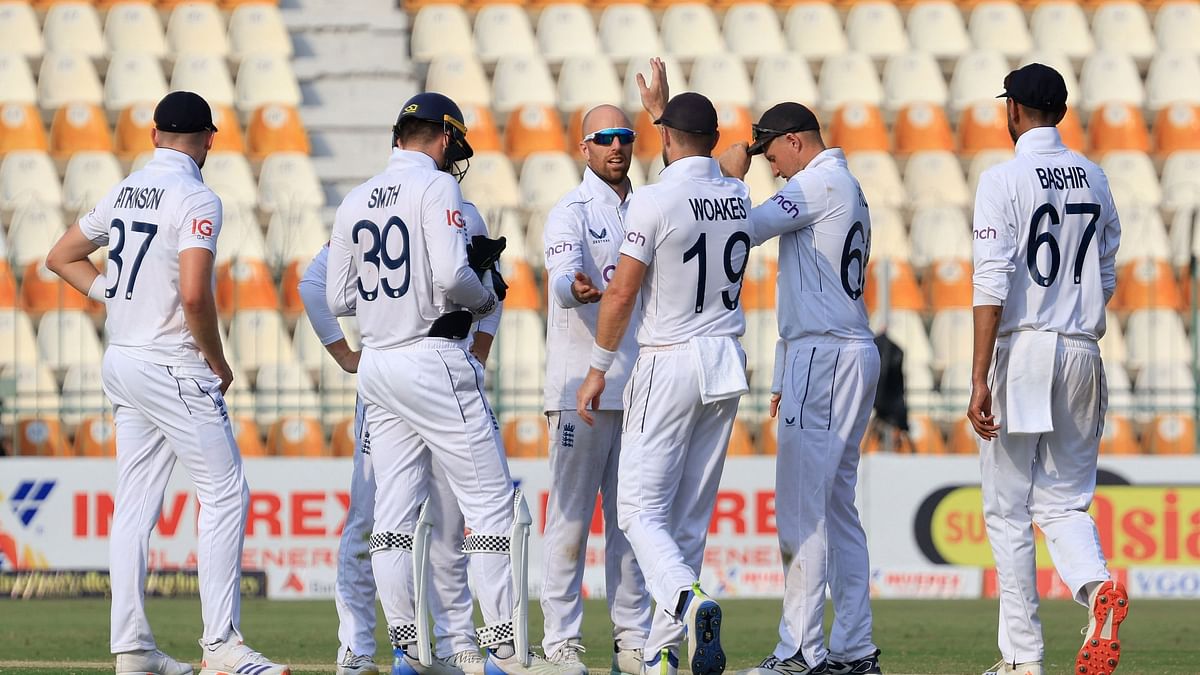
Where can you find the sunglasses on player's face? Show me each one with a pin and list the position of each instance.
(605, 137)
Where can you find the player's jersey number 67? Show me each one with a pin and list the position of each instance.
(116, 251)
(1037, 241)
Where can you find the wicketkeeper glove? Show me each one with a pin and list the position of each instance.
(483, 253)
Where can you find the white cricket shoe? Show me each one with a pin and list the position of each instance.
(468, 660)
(356, 664)
(567, 656)
(512, 665)
(236, 658)
(796, 665)
(702, 622)
(403, 664)
(150, 662)
(663, 663)
(626, 661)
(1005, 668)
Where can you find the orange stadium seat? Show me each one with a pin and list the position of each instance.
(903, 291)
(526, 436)
(293, 304)
(983, 126)
(1147, 284)
(925, 435)
(1177, 127)
(40, 437)
(481, 128)
(343, 440)
(133, 130)
(859, 126)
(1171, 434)
(963, 440)
(1118, 126)
(649, 143)
(768, 438)
(1118, 438)
(245, 284)
(296, 437)
(758, 283)
(228, 5)
(8, 287)
(229, 132)
(1071, 130)
(523, 292)
(77, 127)
(274, 128)
(247, 434)
(43, 291)
(533, 128)
(948, 284)
(740, 444)
(575, 128)
(96, 437)
(734, 125)
(21, 128)
(920, 127)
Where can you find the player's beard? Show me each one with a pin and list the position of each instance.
(612, 174)
(1012, 130)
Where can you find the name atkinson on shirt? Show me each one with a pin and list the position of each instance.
(139, 198)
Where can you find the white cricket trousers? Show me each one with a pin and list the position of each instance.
(672, 454)
(354, 590)
(163, 413)
(828, 394)
(424, 405)
(1047, 480)
(583, 462)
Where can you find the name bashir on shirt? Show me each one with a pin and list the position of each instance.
(729, 208)
(1062, 177)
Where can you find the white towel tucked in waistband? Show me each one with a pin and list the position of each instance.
(1030, 378)
(719, 362)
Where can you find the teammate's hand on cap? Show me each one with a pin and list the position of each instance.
(775, 398)
(584, 290)
(589, 394)
(735, 161)
(980, 412)
(656, 94)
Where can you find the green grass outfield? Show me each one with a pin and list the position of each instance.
(71, 636)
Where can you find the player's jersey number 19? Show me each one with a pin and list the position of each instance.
(392, 271)
(699, 251)
(118, 239)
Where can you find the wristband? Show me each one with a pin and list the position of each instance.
(602, 359)
(99, 286)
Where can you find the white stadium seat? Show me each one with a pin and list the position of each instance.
(258, 337)
(1156, 336)
(197, 28)
(950, 336)
(935, 178)
(519, 360)
(752, 30)
(17, 341)
(258, 28)
(441, 29)
(849, 78)
(690, 30)
(1123, 27)
(913, 77)
(521, 79)
(36, 389)
(295, 236)
(999, 25)
(16, 80)
(1061, 26)
(29, 176)
(229, 175)
(874, 28)
(503, 30)
(1109, 77)
(1143, 234)
(19, 30)
(937, 233)
(586, 81)
(783, 77)
(134, 27)
(723, 79)
(68, 338)
(936, 28)
(628, 30)
(1174, 78)
(32, 231)
(266, 78)
(288, 180)
(206, 74)
(546, 176)
(565, 30)
(74, 27)
(89, 176)
(1176, 25)
(1132, 178)
(879, 177)
(1164, 386)
(283, 389)
(814, 30)
(491, 182)
(1181, 180)
(133, 77)
(461, 77)
(68, 77)
(907, 329)
(83, 393)
(982, 161)
(889, 241)
(978, 76)
(241, 237)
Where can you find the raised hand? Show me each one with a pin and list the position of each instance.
(656, 94)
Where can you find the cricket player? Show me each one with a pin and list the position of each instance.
(398, 258)
(583, 236)
(1046, 238)
(826, 371)
(355, 587)
(165, 373)
(685, 252)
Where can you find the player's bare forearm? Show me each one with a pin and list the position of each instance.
(69, 260)
(987, 323)
(617, 303)
(345, 357)
(200, 310)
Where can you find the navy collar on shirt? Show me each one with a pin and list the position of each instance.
(1040, 140)
(175, 161)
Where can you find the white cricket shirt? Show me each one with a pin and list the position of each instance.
(824, 230)
(1046, 235)
(583, 233)
(691, 229)
(146, 221)
(398, 254)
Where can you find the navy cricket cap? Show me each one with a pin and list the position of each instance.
(690, 112)
(183, 112)
(784, 118)
(1036, 86)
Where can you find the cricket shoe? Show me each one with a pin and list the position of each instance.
(795, 665)
(626, 661)
(663, 663)
(1006, 668)
(235, 658)
(403, 664)
(150, 662)
(868, 665)
(513, 665)
(468, 660)
(1101, 650)
(567, 656)
(702, 623)
(356, 664)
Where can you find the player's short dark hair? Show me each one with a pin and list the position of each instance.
(702, 144)
(413, 130)
(1041, 117)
